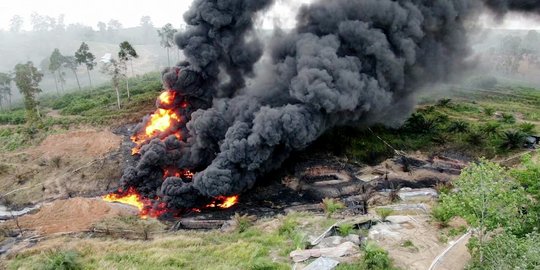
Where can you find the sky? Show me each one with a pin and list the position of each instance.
(129, 13)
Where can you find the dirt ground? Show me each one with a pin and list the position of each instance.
(72, 215)
(78, 144)
(82, 162)
(425, 244)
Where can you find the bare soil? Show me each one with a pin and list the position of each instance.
(72, 215)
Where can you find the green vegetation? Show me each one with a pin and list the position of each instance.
(346, 229)
(331, 206)
(260, 246)
(384, 213)
(375, 258)
(62, 260)
(95, 108)
(474, 122)
(501, 205)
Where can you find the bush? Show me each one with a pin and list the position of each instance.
(345, 229)
(491, 128)
(330, 206)
(376, 258)
(489, 111)
(508, 118)
(445, 102)
(418, 123)
(384, 213)
(243, 222)
(61, 260)
(442, 215)
(475, 138)
(512, 139)
(527, 128)
(458, 127)
(288, 227)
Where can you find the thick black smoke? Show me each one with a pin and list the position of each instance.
(503, 6)
(347, 62)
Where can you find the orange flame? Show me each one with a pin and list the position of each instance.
(133, 198)
(224, 202)
(160, 121)
(167, 97)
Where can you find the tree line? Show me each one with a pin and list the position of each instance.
(27, 76)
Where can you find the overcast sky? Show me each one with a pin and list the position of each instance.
(128, 13)
(167, 11)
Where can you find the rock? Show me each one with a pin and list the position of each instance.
(354, 238)
(229, 226)
(7, 244)
(347, 248)
(322, 263)
(332, 241)
(399, 219)
(418, 194)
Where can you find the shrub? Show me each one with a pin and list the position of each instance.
(458, 127)
(508, 118)
(376, 258)
(243, 222)
(418, 123)
(445, 102)
(491, 128)
(475, 138)
(489, 111)
(527, 128)
(330, 206)
(55, 161)
(61, 260)
(345, 229)
(442, 215)
(512, 139)
(288, 227)
(384, 213)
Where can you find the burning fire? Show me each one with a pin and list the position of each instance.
(160, 124)
(167, 97)
(133, 198)
(160, 121)
(224, 202)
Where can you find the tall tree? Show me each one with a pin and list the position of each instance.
(146, 22)
(56, 61)
(16, 24)
(166, 33)
(127, 53)
(114, 69)
(114, 25)
(5, 87)
(70, 62)
(27, 79)
(85, 57)
(102, 27)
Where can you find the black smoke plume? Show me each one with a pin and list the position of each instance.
(347, 62)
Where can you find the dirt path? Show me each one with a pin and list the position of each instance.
(455, 257)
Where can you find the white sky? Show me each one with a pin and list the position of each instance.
(90, 12)
(129, 13)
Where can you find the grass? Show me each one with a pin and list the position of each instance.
(260, 246)
(95, 108)
(331, 206)
(384, 213)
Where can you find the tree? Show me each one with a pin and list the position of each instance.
(114, 25)
(16, 24)
(70, 62)
(56, 61)
(27, 79)
(511, 52)
(146, 22)
(83, 56)
(488, 199)
(114, 69)
(5, 87)
(166, 33)
(102, 27)
(127, 53)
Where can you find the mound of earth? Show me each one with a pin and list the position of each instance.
(78, 144)
(72, 215)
